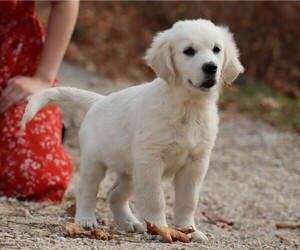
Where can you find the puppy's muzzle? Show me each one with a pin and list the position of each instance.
(210, 70)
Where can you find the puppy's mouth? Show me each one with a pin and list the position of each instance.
(205, 86)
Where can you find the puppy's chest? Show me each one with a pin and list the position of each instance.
(187, 139)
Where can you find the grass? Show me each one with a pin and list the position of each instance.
(261, 101)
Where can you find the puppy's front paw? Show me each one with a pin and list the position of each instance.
(153, 237)
(132, 227)
(87, 222)
(198, 236)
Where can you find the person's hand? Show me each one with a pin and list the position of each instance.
(19, 89)
(60, 27)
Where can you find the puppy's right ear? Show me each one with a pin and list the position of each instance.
(159, 57)
(232, 66)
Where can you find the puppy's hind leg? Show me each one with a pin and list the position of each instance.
(91, 173)
(118, 197)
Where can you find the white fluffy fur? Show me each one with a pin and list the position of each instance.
(164, 128)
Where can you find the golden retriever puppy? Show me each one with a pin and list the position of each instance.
(161, 129)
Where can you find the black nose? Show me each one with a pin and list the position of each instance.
(209, 68)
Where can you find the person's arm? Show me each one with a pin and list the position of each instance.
(60, 27)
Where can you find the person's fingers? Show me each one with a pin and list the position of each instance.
(24, 100)
(8, 104)
(16, 98)
(7, 91)
(5, 105)
(10, 98)
(5, 97)
(14, 80)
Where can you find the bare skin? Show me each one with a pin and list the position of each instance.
(60, 27)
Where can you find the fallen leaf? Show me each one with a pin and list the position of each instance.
(223, 104)
(170, 234)
(291, 90)
(75, 230)
(285, 238)
(185, 230)
(217, 220)
(228, 117)
(222, 224)
(269, 103)
(100, 234)
(71, 210)
(280, 225)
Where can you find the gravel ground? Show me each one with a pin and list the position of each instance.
(253, 179)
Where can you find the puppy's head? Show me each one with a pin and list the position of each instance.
(196, 53)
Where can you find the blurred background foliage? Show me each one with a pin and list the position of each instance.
(111, 38)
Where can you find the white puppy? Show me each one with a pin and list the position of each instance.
(165, 128)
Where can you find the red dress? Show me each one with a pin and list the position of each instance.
(33, 166)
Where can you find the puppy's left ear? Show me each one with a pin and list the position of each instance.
(159, 57)
(232, 66)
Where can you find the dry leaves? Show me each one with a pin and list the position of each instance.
(170, 234)
(71, 210)
(269, 103)
(283, 225)
(217, 220)
(75, 230)
(287, 88)
(288, 239)
(228, 117)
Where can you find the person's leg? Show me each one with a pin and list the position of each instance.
(34, 166)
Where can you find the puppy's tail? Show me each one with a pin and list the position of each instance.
(59, 95)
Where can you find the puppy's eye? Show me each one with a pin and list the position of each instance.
(189, 51)
(216, 49)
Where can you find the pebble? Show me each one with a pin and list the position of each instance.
(3, 198)
(210, 236)
(7, 235)
(94, 248)
(52, 241)
(3, 222)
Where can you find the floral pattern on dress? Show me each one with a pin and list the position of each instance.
(33, 165)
